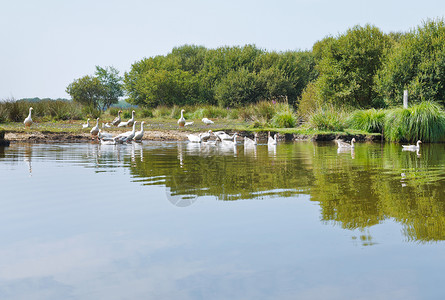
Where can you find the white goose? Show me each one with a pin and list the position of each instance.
(139, 134)
(86, 125)
(126, 136)
(131, 121)
(412, 147)
(249, 142)
(104, 135)
(188, 123)
(28, 120)
(342, 144)
(195, 138)
(207, 121)
(206, 136)
(95, 130)
(117, 120)
(181, 121)
(106, 125)
(272, 141)
(222, 136)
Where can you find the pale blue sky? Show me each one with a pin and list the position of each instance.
(47, 44)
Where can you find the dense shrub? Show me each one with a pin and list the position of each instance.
(371, 120)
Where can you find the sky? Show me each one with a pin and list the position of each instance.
(47, 44)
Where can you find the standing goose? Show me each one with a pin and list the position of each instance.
(412, 147)
(95, 130)
(131, 121)
(86, 125)
(117, 120)
(342, 144)
(139, 134)
(28, 120)
(181, 121)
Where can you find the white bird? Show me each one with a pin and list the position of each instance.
(126, 136)
(222, 136)
(104, 135)
(86, 125)
(181, 121)
(117, 120)
(206, 136)
(249, 142)
(188, 123)
(95, 130)
(412, 147)
(28, 120)
(106, 125)
(342, 144)
(272, 141)
(131, 121)
(195, 138)
(139, 134)
(207, 121)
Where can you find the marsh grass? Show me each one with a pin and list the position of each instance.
(424, 121)
(327, 118)
(370, 120)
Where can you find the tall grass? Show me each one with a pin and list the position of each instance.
(371, 120)
(424, 121)
(327, 119)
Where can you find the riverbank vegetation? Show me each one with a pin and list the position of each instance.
(351, 81)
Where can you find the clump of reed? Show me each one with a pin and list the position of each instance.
(370, 120)
(424, 121)
(327, 118)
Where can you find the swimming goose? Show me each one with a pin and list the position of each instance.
(195, 138)
(272, 141)
(412, 147)
(342, 144)
(28, 120)
(222, 136)
(117, 120)
(86, 125)
(207, 121)
(139, 134)
(181, 121)
(126, 136)
(249, 142)
(95, 130)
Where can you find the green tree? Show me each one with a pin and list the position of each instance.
(112, 82)
(237, 88)
(347, 66)
(417, 64)
(88, 91)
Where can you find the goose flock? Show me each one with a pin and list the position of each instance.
(220, 136)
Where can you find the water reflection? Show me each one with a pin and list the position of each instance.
(354, 188)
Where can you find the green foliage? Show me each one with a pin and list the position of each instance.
(415, 64)
(347, 66)
(327, 119)
(284, 119)
(425, 122)
(111, 80)
(371, 120)
(87, 91)
(310, 102)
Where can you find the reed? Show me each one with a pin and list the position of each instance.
(424, 121)
(370, 120)
(327, 119)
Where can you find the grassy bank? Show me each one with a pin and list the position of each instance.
(425, 121)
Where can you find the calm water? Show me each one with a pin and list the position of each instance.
(175, 220)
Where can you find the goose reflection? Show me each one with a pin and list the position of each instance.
(346, 150)
(417, 150)
(272, 150)
(28, 156)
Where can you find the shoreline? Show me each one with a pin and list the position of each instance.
(172, 135)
